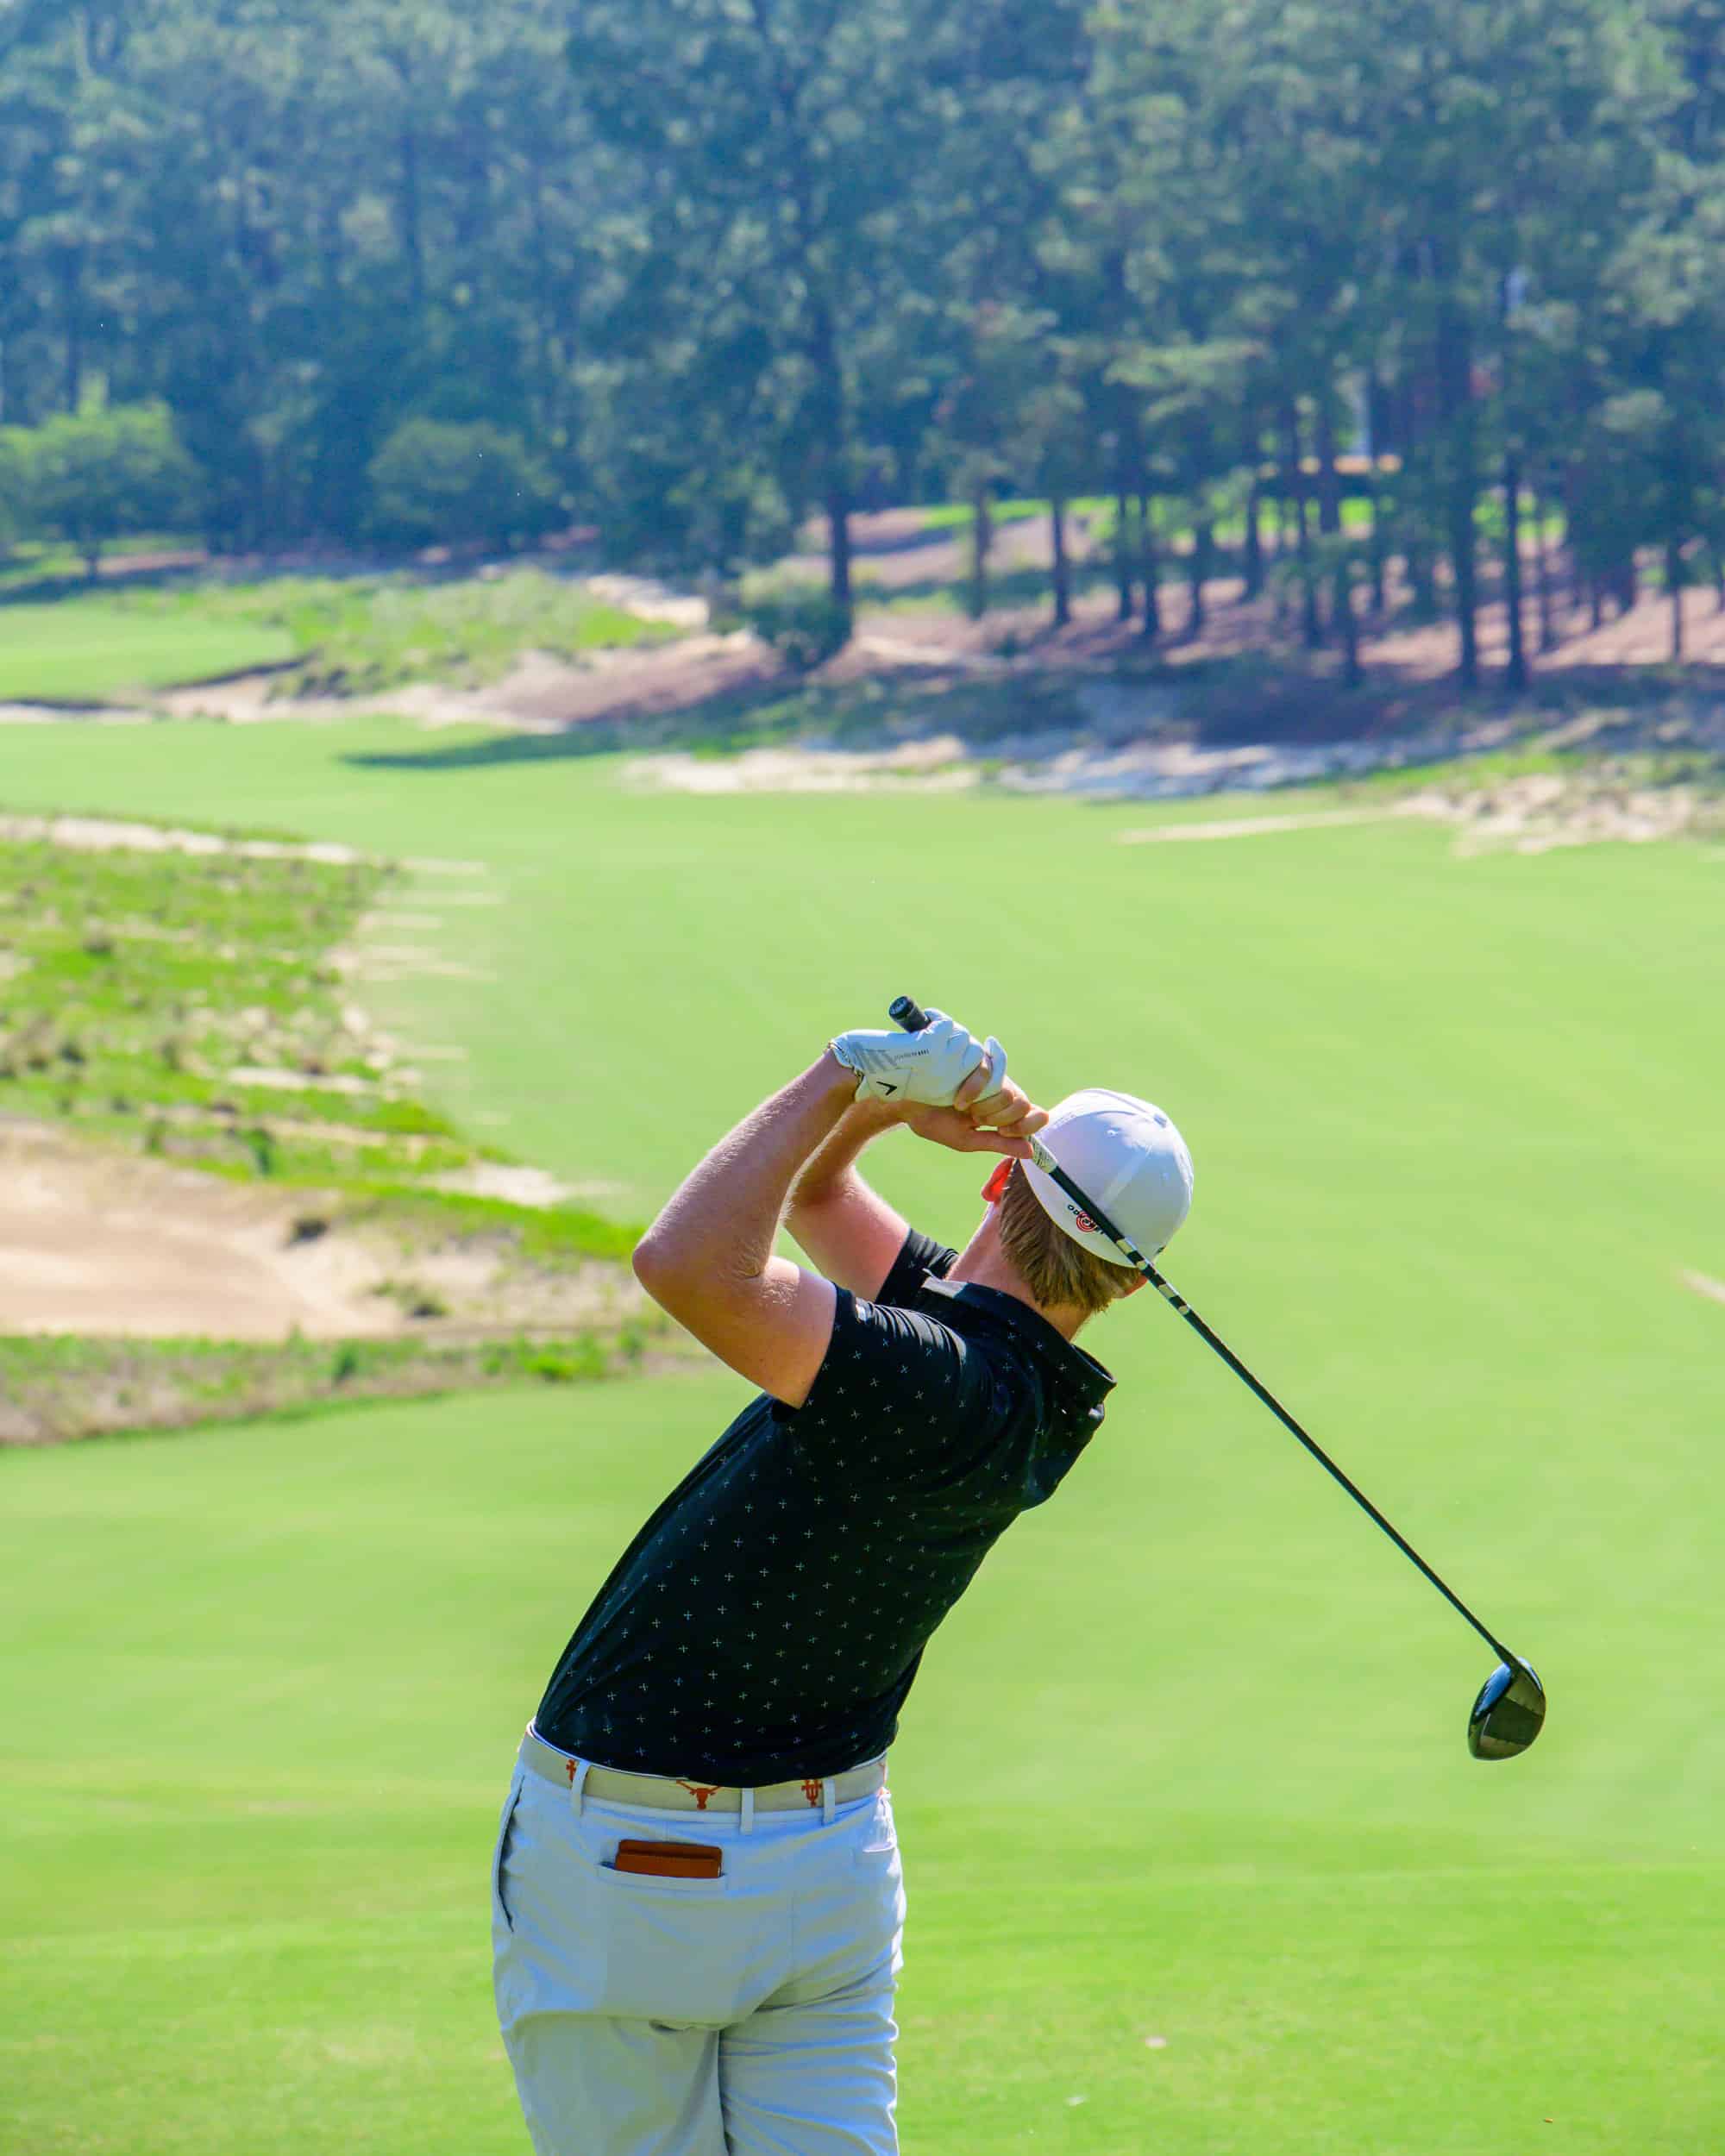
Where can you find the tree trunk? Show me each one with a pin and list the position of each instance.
(1203, 542)
(412, 221)
(1548, 634)
(1062, 574)
(1329, 485)
(1455, 390)
(1123, 555)
(1283, 513)
(1311, 621)
(71, 287)
(1152, 569)
(1674, 585)
(1379, 562)
(1253, 559)
(1416, 563)
(981, 545)
(1348, 622)
(837, 507)
(832, 430)
(1515, 674)
(1330, 525)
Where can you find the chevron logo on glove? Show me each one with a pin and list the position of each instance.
(927, 1068)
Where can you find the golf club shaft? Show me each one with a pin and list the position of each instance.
(909, 1014)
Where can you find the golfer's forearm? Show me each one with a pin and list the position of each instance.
(848, 1229)
(721, 1225)
(830, 1175)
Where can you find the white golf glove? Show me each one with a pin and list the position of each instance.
(927, 1068)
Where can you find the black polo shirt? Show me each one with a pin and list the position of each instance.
(768, 1621)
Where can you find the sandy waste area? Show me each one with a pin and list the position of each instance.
(119, 1244)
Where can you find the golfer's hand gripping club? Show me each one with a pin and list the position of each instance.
(1514, 1676)
(924, 1071)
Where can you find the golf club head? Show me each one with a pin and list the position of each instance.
(1509, 1712)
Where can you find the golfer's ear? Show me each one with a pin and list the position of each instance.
(1138, 1281)
(995, 1188)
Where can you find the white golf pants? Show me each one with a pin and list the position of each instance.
(746, 2015)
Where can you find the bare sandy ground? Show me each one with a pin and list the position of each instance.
(117, 1245)
(102, 835)
(104, 1243)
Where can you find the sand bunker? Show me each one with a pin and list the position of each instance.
(99, 1243)
(1539, 811)
(938, 764)
(103, 835)
(117, 1245)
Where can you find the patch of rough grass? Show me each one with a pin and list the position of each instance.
(138, 990)
(59, 1389)
(360, 636)
(140, 984)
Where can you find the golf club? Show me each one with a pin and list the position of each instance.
(1510, 1710)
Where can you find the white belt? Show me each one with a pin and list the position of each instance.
(668, 1793)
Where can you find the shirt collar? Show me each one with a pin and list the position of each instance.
(990, 1309)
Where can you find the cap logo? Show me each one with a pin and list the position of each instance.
(1084, 1224)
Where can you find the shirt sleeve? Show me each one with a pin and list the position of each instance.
(903, 1401)
(920, 1256)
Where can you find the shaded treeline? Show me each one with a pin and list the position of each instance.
(1236, 265)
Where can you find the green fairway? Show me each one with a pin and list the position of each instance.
(91, 650)
(1188, 1762)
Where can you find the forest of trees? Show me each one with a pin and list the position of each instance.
(700, 267)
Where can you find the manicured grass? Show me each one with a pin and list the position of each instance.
(95, 650)
(1188, 1762)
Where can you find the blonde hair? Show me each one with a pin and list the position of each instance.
(1059, 1272)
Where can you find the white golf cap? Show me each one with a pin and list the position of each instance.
(1127, 1156)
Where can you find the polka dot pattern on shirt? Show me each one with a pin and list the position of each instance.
(769, 1620)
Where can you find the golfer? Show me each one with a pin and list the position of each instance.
(697, 1902)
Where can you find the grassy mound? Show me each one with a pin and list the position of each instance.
(351, 635)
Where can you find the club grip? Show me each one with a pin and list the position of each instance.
(909, 1013)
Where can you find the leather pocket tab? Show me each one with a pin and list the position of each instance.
(670, 1860)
